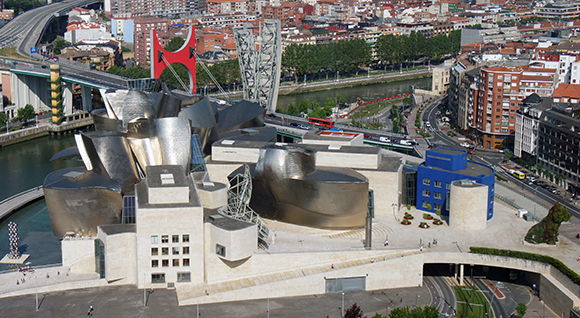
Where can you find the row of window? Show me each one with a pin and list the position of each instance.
(436, 206)
(437, 183)
(427, 193)
(165, 238)
(174, 250)
(159, 278)
(174, 263)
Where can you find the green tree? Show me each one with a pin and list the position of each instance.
(3, 118)
(26, 113)
(329, 102)
(353, 311)
(400, 313)
(174, 44)
(58, 45)
(509, 154)
(341, 99)
(521, 309)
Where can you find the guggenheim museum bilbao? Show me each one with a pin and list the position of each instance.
(179, 193)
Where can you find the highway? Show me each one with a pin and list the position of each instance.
(26, 30)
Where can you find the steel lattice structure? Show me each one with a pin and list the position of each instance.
(239, 196)
(260, 68)
(13, 240)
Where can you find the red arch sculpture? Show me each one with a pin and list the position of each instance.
(161, 58)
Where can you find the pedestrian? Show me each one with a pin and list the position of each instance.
(331, 266)
(58, 273)
(421, 248)
(386, 242)
(90, 313)
(429, 245)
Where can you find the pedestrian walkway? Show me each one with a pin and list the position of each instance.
(193, 294)
(16, 201)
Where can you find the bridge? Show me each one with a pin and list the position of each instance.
(30, 77)
(19, 200)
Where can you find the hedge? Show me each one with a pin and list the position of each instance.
(532, 257)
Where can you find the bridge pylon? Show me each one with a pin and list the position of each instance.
(56, 94)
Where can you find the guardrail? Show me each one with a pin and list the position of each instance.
(20, 194)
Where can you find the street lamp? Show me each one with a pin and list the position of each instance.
(36, 287)
(394, 205)
(417, 299)
(342, 308)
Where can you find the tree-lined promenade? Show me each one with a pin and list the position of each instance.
(306, 62)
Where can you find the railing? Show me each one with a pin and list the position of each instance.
(33, 268)
(20, 194)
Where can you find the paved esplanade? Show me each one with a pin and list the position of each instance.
(505, 230)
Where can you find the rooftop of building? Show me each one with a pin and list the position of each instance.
(466, 183)
(473, 169)
(448, 151)
(223, 222)
(113, 229)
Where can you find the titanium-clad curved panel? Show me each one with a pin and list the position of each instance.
(136, 105)
(289, 188)
(67, 153)
(174, 136)
(288, 161)
(103, 122)
(244, 114)
(116, 101)
(202, 119)
(111, 156)
(78, 201)
(168, 106)
(147, 151)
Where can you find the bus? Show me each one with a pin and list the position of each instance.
(518, 174)
(321, 122)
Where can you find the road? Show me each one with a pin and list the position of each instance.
(26, 29)
(493, 158)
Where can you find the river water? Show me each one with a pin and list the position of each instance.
(365, 93)
(25, 165)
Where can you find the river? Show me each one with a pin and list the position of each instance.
(365, 93)
(25, 165)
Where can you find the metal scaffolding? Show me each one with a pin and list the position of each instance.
(239, 196)
(260, 67)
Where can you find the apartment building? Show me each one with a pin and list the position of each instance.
(143, 28)
(527, 124)
(564, 10)
(229, 6)
(136, 8)
(558, 146)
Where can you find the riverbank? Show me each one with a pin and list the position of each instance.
(72, 123)
(371, 79)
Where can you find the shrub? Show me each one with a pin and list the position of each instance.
(532, 257)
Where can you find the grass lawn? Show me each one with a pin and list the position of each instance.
(476, 306)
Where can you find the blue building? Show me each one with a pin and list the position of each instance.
(443, 166)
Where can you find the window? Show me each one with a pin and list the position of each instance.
(448, 185)
(184, 277)
(165, 263)
(437, 195)
(154, 263)
(185, 238)
(157, 278)
(175, 262)
(426, 181)
(437, 206)
(425, 204)
(154, 239)
(186, 262)
(165, 251)
(175, 250)
(438, 183)
(175, 239)
(426, 193)
(164, 238)
(154, 251)
(220, 250)
(186, 250)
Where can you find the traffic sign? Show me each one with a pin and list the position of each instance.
(33, 50)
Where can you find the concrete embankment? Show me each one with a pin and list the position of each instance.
(75, 123)
(290, 89)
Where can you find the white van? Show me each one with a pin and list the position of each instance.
(384, 139)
